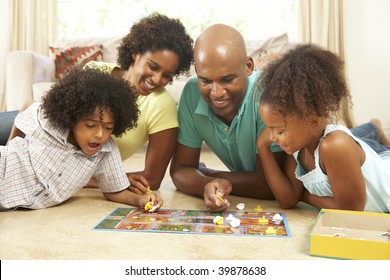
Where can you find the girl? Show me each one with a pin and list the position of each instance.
(328, 167)
(63, 142)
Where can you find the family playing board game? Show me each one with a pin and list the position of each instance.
(274, 130)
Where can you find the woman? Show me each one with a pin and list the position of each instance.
(156, 49)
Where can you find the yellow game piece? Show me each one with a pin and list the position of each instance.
(270, 230)
(148, 206)
(258, 208)
(219, 197)
(218, 220)
(148, 191)
(263, 220)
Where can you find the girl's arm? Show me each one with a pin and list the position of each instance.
(341, 159)
(285, 187)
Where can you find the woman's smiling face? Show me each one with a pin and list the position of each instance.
(152, 71)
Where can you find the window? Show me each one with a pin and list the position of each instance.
(255, 19)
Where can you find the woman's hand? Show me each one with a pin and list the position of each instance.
(138, 184)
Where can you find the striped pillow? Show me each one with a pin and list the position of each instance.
(65, 58)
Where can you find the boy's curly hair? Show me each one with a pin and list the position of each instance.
(153, 33)
(80, 91)
(306, 80)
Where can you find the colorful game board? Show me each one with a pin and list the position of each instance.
(253, 223)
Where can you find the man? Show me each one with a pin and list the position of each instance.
(219, 108)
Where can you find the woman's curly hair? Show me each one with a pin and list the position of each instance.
(153, 33)
(306, 80)
(77, 95)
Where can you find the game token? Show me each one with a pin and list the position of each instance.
(270, 230)
(235, 222)
(218, 220)
(385, 235)
(148, 206)
(339, 235)
(277, 218)
(240, 206)
(153, 208)
(229, 218)
(263, 220)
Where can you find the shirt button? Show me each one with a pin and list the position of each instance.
(226, 129)
(59, 175)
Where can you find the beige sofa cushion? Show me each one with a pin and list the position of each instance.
(110, 45)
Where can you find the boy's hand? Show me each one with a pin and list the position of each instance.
(152, 198)
(216, 193)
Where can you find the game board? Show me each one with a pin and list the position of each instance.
(253, 223)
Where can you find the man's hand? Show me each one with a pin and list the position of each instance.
(216, 193)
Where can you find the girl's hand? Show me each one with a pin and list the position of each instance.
(152, 198)
(216, 193)
(138, 184)
(265, 139)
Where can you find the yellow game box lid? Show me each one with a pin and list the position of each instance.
(356, 235)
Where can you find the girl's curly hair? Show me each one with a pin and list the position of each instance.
(153, 33)
(306, 80)
(81, 91)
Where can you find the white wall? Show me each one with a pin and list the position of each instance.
(367, 56)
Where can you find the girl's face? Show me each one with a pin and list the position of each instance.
(291, 133)
(91, 133)
(152, 71)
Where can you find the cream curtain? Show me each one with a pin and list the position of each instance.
(321, 22)
(32, 25)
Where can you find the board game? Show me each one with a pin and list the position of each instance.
(252, 223)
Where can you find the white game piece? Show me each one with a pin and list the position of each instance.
(153, 208)
(235, 222)
(240, 206)
(277, 218)
(229, 218)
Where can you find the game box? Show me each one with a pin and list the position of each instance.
(351, 235)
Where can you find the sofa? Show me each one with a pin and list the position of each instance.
(29, 75)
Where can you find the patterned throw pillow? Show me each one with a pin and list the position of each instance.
(65, 58)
